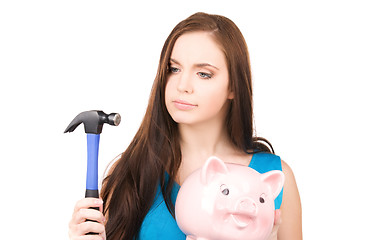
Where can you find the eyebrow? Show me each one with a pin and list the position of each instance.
(197, 65)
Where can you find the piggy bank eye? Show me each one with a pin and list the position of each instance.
(224, 189)
(262, 198)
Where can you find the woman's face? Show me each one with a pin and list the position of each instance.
(197, 87)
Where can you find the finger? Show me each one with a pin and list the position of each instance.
(89, 237)
(88, 203)
(277, 218)
(103, 235)
(90, 227)
(83, 214)
(78, 233)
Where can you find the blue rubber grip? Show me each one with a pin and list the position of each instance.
(92, 165)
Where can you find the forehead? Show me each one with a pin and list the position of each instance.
(198, 47)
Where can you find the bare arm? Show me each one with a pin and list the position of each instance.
(291, 214)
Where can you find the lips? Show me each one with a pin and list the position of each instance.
(184, 105)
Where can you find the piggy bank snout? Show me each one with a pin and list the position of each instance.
(245, 212)
(247, 207)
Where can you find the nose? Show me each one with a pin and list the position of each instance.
(185, 83)
(247, 206)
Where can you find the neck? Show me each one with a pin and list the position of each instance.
(204, 140)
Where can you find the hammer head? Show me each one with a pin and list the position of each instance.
(93, 121)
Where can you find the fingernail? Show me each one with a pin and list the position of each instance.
(98, 202)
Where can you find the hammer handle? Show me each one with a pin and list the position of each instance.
(92, 163)
(92, 193)
(92, 169)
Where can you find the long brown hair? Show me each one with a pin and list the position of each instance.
(130, 187)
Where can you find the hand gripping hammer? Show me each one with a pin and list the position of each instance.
(93, 122)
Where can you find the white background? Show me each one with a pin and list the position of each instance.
(311, 64)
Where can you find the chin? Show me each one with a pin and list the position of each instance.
(182, 121)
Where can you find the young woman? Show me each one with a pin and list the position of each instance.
(200, 105)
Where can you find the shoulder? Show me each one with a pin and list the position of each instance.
(287, 170)
(290, 185)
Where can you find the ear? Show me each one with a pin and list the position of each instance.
(230, 95)
(275, 180)
(211, 167)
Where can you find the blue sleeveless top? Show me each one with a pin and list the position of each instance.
(159, 223)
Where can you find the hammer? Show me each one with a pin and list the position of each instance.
(93, 122)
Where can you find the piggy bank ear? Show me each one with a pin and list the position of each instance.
(275, 180)
(212, 167)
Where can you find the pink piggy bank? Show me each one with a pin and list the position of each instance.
(224, 201)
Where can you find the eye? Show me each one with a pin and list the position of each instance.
(224, 190)
(262, 198)
(174, 70)
(204, 75)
